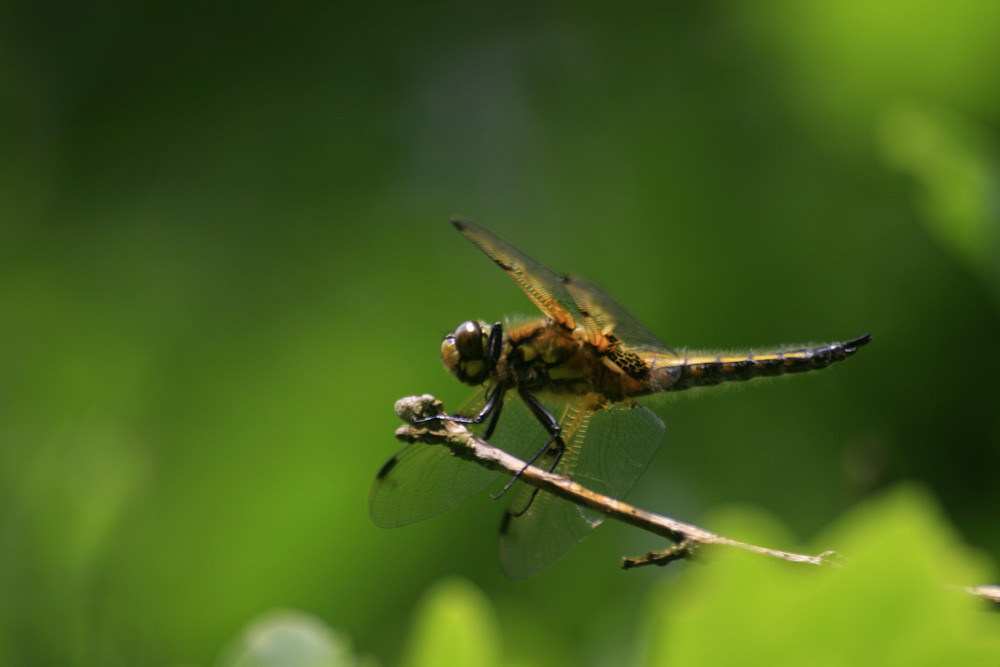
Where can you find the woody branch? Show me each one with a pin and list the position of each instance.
(687, 538)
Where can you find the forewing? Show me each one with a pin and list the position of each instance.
(603, 314)
(543, 287)
(606, 451)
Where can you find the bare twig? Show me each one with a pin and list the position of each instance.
(988, 593)
(687, 537)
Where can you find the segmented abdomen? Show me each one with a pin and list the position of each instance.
(705, 370)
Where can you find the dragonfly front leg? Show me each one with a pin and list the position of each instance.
(491, 410)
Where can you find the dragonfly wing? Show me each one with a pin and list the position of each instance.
(603, 314)
(421, 481)
(606, 451)
(540, 284)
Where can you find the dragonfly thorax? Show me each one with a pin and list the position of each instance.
(542, 355)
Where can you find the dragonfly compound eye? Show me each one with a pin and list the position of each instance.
(469, 341)
(464, 352)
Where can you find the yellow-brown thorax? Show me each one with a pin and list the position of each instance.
(543, 356)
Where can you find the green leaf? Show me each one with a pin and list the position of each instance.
(455, 625)
(890, 604)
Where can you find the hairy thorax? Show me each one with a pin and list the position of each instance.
(543, 356)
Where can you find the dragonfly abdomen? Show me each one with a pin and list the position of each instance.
(705, 370)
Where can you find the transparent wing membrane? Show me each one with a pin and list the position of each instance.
(606, 315)
(539, 283)
(606, 451)
(423, 480)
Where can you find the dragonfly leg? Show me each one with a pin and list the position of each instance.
(494, 346)
(497, 399)
(555, 441)
(491, 409)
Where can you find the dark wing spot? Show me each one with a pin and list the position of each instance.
(505, 522)
(387, 468)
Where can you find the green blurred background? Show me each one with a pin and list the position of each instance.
(225, 253)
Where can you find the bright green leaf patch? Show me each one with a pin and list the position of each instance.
(896, 600)
(455, 625)
(890, 604)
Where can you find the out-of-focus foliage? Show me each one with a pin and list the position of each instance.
(886, 603)
(889, 603)
(958, 174)
(454, 627)
(289, 638)
(224, 255)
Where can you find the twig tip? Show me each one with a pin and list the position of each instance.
(412, 408)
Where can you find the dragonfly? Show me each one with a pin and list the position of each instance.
(560, 391)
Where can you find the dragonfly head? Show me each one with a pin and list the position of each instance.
(464, 352)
